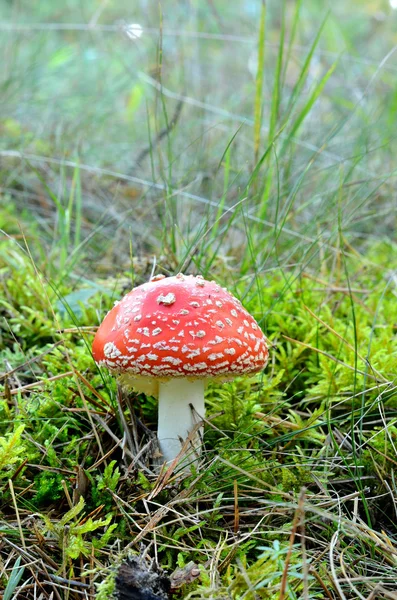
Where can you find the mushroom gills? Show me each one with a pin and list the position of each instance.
(176, 417)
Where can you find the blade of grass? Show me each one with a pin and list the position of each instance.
(309, 104)
(226, 174)
(259, 82)
(274, 114)
(305, 70)
(276, 96)
(294, 29)
(14, 579)
(76, 191)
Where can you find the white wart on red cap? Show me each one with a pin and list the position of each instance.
(182, 326)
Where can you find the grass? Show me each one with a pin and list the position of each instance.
(258, 152)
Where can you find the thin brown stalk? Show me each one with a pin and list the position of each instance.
(295, 523)
(17, 513)
(66, 491)
(236, 508)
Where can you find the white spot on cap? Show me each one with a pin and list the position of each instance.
(183, 311)
(201, 365)
(228, 321)
(215, 356)
(144, 331)
(161, 346)
(156, 331)
(158, 277)
(194, 304)
(230, 351)
(200, 333)
(167, 300)
(220, 324)
(219, 303)
(171, 359)
(152, 356)
(137, 317)
(111, 351)
(217, 340)
(225, 363)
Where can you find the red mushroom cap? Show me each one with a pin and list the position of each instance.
(182, 326)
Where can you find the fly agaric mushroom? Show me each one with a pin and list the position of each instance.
(169, 337)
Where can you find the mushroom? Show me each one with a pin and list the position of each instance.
(168, 338)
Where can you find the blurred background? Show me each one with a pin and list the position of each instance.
(139, 124)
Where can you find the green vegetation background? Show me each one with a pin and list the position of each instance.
(253, 144)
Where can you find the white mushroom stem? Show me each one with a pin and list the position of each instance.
(176, 418)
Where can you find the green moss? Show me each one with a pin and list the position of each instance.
(270, 435)
(48, 488)
(12, 451)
